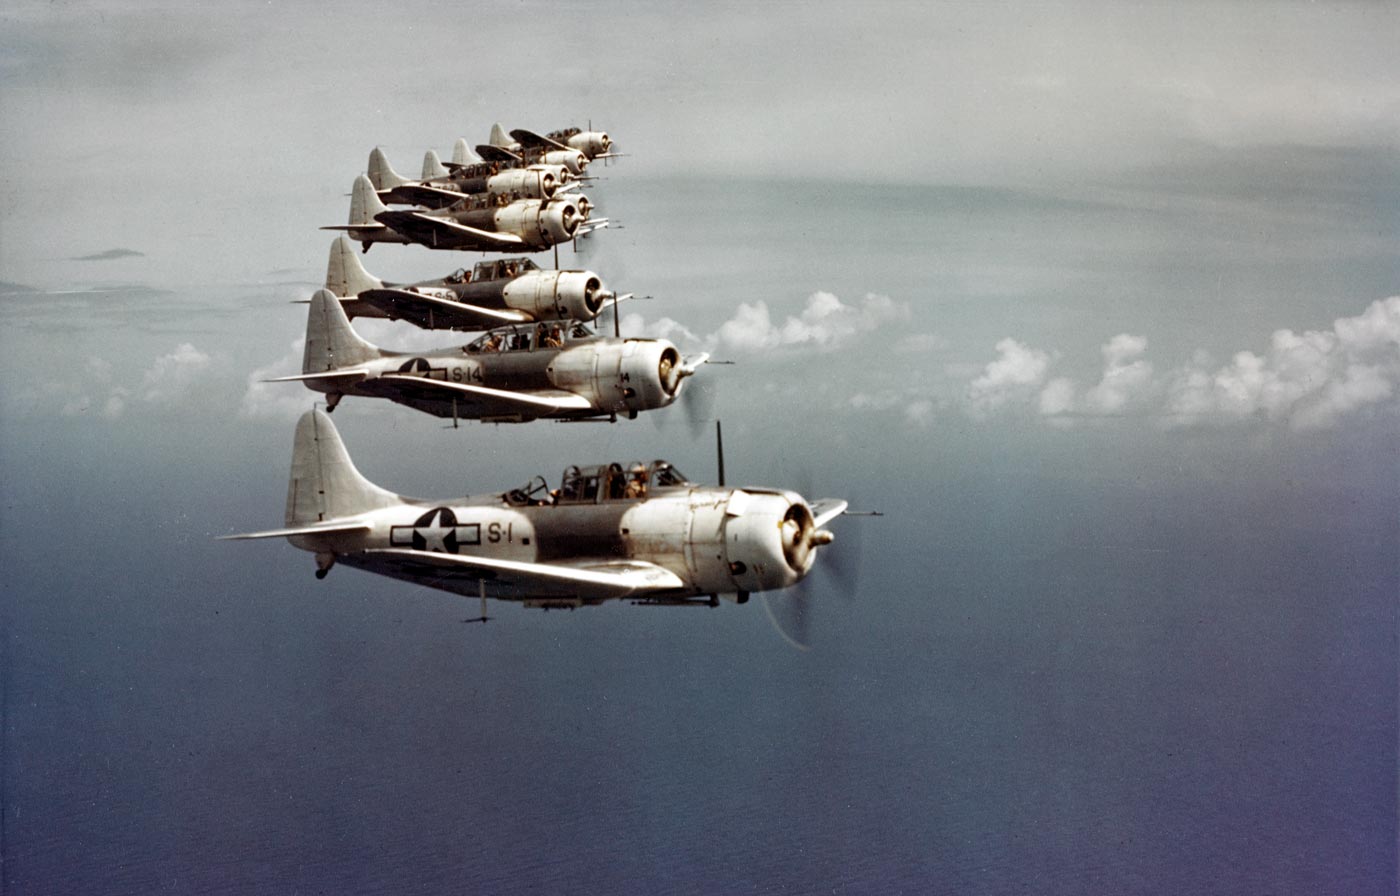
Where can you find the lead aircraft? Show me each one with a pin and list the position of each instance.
(643, 532)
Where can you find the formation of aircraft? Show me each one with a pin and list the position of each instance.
(490, 293)
(524, 147)
(608, 531)
(440, 188)
(639, 531)
(510, 374)
(475, 223)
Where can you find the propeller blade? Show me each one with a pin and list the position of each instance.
(790, 613)
(698, 400)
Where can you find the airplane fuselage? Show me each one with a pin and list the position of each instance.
(538, 224)
(715, 540)
(534, 182)
(538, 295)
(614, 376)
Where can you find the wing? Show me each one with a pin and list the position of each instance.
(448, 399)
(422, 194)
(332, 528)
(824, 510)
(491, 153)
(530, 138)
(589, 578)
(435, 232)
(431, 312)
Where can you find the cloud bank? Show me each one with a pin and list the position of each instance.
(824, 323)
(1307, 380)
(109, 255)
(171, 380)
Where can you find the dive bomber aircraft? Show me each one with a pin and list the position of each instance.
(440, 188)
(511, 151)
(528, 145)
(642, 532)
(491, 293)
(508, 375)
(475, 223)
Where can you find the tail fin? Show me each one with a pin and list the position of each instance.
(345, 275)
(432, 166)
(331, 343)
(499, 137)
(462, 153)
(324, 484)
(381, 174)
(364, 203)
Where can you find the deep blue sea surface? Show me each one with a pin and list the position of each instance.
(1078, 660)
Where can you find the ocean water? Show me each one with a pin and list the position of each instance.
(1094, 659)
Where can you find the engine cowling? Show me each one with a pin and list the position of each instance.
(591, 143)
(540, 223)
(536, 182)
(572, 159)
(648, 375)
(770, 539)
(556, 295)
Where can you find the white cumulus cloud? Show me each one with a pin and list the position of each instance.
(1306, 380)
(1012, 377)
(172, 375)
(824, 323)
(285, 401)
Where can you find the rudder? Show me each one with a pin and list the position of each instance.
(324, 484)
(345, 275)
(331, 342)
(462, 153)
(382, 175)
(364, 203)
(432, 166)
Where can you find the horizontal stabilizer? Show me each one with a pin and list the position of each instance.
(357, 228)
(357, 373)
(330, 528)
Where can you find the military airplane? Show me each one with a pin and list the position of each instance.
(440, 188)
(493, 292)
(642, 532)
(475, 223)
(513, 151)
(508, 375)
(594, 144)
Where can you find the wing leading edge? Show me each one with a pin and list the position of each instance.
(600, 578)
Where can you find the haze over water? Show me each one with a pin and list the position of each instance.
(1075, 659)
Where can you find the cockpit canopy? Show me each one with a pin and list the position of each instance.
(527, 337)
(496, 269)
(599, 484)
